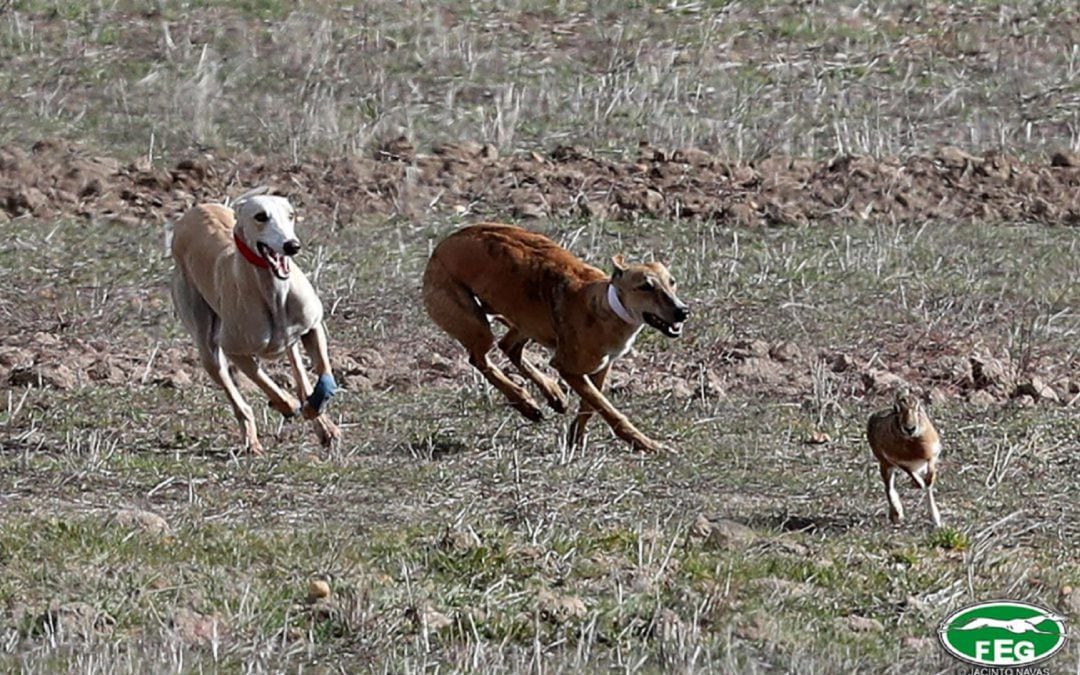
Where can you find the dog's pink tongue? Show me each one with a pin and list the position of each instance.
(281, 262)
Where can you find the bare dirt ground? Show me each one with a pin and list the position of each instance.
(54, 180)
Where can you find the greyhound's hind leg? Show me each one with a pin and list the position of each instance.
(454, 309)
(217, 366)
(513, 345)
(280, 400)
(202, 323)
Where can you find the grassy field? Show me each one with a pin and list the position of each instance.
(748, 79)
(455, 536)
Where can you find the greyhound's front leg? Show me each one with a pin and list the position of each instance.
(280, 400)
(618, 422)
(326, 430)
(576, 434)
(325, 387)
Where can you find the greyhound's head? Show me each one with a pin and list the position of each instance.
(909, 413)
(267, 224)
(647, 291)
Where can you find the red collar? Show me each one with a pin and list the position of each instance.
(249, 255)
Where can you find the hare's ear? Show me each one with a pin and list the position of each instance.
(618, 264)
(898, 397)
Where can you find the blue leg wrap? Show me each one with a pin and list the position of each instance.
(325, 388)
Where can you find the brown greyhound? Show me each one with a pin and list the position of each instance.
(543, 293)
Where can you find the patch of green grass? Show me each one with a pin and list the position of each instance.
(950, 539)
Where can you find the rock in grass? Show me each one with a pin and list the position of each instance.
(920, 643)
(785, 351)
(783, 588)
(701, 527)
(1069, 601)
(195, 629)
(459, 540)
(954, 157)
(982, 398)
(1065, 158)
(1036, 389)
(54, 375)
(318, 589)
(141, 520)
(757, 626)
(862, 624)
(882, 380)
(988, 371)
(728, 535)
(429, 619)
(721, 534)
(937, 396)
(560, 608)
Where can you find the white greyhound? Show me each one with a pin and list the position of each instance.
(242, 298)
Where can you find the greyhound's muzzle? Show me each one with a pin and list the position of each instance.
(279, 262)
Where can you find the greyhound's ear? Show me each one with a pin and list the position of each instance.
(618, 264)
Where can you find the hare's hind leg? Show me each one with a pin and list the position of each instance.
(931, 474)
(888, 476)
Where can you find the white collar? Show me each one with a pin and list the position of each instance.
(617, 306)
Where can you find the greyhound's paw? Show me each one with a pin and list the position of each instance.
(530, 410)
(325, 388)
(254, 448)
(327, 431)
(288, 408)
(650, 446)
(559, 404)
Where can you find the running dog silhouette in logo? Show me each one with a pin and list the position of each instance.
(1012, 625)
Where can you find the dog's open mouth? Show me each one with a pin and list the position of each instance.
(279, 262)
(668, 329)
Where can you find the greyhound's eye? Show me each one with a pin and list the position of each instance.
(262, 217)
(672, 282)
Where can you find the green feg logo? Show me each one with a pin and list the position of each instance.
(1002, 633)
